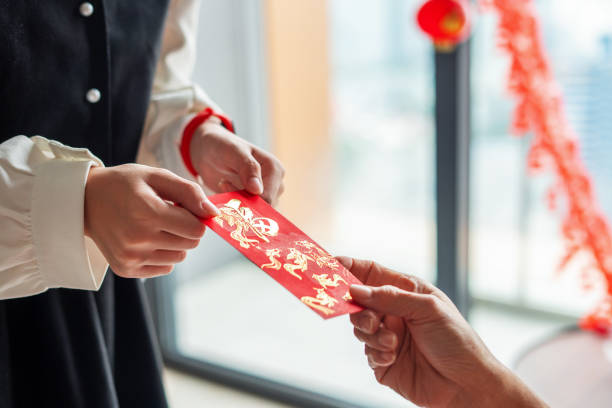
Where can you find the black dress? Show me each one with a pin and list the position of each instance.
(71, 348)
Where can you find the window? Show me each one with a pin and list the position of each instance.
(343, 92)
(355, 133)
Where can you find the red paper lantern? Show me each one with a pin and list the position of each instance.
(447, 22)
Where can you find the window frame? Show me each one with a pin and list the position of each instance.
(453, 133)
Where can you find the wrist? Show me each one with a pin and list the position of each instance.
(197, 142)
(92, 179)
(497, 386)
(188, 149)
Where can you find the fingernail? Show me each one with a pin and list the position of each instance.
(386, 358)
(344, 260)
(387, 339)
(209, 208)
(361, 292)
(255, 185)
(366, 324)
(224, 186)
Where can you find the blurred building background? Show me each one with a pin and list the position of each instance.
(343, 92)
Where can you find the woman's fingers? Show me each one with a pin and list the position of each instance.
(226, 186)
(164, 257)
(272, 172)
(149, 271)
(178, 221)
(188, 194)
(238, 156)
(166, 240)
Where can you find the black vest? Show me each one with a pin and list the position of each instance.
(73, 348)
(51, 55)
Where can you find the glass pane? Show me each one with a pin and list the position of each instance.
(516, 241)
(383, 130)
(380, 206)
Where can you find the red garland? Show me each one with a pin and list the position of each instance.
(540, 110)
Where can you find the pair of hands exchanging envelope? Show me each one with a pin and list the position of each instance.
(284, 252)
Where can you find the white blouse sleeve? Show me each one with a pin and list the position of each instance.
(42, 244)
(175, 97)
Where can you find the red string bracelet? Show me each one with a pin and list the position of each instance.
(190, 129)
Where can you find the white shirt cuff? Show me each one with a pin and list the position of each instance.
(66, 257)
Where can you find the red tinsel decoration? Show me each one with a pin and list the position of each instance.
(540, 110)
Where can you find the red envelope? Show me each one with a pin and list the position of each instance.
(284, 252)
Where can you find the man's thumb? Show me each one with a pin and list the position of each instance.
(394, 301)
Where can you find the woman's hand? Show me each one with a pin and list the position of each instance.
(130, 215)
(227, 162)
(418, 344)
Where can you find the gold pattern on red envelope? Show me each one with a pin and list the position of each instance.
(274, 263)
(282, 250)
(326, 282)
(299, 262)
(235, 214)
(321, 257)
(321, 301)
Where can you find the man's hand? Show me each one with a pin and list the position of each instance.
(130, 215)
(227, 162)
(418, 344)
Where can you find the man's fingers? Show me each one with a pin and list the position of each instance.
(377, 358)
(358, 267)
(394, 301)
(188, 194)
(383, 340)
(373, 274)
(179, 221)
(345, 261)
(164, 257)
(367, 321)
